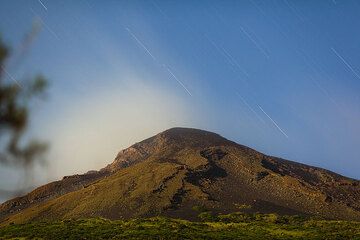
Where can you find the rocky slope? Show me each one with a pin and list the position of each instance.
(180, 170)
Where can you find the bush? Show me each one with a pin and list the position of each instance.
(236, 217)
(201, 208)
(207, 217)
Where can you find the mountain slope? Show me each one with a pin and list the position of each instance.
(180, 169)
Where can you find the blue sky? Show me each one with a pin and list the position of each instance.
(282, 77)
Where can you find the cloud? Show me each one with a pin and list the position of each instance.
(87, 132)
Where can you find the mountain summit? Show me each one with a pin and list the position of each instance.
(180, 170)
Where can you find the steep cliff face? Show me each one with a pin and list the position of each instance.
(181, 169)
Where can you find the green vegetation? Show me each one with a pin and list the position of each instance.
(242, 206)
(231, 226)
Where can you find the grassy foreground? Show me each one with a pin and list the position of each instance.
(232, 226)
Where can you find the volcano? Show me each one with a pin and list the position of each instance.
(181, 170)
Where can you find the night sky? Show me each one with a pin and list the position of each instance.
(282, 77)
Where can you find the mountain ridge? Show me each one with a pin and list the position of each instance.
(181, 168)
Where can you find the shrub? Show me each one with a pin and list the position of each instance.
(207, 217)
(198, 208)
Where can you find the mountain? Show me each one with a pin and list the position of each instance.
(181, 170)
